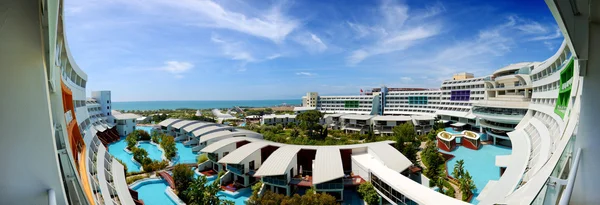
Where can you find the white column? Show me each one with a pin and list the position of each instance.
(588, 136)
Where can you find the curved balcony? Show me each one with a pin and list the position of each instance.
(504, 115)
(495, 126)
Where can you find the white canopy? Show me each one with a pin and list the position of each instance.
(458, 124)
(328, 165)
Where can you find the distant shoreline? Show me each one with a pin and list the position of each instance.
(194, 105)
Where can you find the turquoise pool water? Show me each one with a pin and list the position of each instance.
(153, 152)
(153, 192)
(481, 164)
(452, 131)
(185, 154)
(116, 149)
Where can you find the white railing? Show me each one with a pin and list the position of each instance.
(51, 197)
(566, 195)
(69, 116)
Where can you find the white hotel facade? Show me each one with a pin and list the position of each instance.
(53, 145)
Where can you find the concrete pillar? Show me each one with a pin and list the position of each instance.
(588, 136)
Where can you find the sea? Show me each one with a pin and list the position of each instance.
(156, 105)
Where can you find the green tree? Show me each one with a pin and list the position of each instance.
(168, 144)
(183, 176)
(131, 140)
(466, 186)
(440, 180)
(140, 155)
(368, 194)
(254, 198)
(309, 119)
(459, 169)
(202, 158)
(295, 133)
(141, 134)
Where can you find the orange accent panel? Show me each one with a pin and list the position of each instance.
(78, 148)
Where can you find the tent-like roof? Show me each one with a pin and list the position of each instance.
(182, 123)
(390, 156)
(214, 135)
(224, 142)
(278, 162)
(238, 155)
(327, 165)
(458, 124)
(194, 126)
(422, 117)
(278, 116)
(357, 117)
(126, 116)
(391, 118)
(168, 122)
(406, 186)
(206, 129)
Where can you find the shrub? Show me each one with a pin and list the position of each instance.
(142, 135)
(202, 158)
(140, 155)
(168, 144)
(131, 140)
(182, 175)
(132, 179)
(154, 165)
(368, 193)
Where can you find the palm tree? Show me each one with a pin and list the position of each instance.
(459, 169)
(441, 180)
(467, 185)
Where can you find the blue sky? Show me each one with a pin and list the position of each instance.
(251, 50)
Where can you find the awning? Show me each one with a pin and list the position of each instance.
(444, 121)
(458, 124)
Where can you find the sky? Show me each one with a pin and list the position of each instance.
(146, 50)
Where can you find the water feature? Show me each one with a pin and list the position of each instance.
(481, 164)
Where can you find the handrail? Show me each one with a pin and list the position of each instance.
(566, 195)
(51, 197)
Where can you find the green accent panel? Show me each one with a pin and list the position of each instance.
(351, 104)
(417, 100)
(564, 93)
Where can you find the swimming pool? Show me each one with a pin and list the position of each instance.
(481, 164)
(153, 152)
(452, 131)
(116, 149)
(185, 154)
(153, 192)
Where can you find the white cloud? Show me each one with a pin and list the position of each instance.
(399, 41)
(306, 74)
(274, 56)
(272, 24)
(234, 50)
(398, 30)
(311, 42)
(555, 35)
(177, 68)
(406, 79)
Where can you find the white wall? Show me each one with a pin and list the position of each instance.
(257, 162)
(28, 153)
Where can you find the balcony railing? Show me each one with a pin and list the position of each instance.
(275, 181)
(330, 186)
(559, 186)
(212, 157)
(236, 168)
